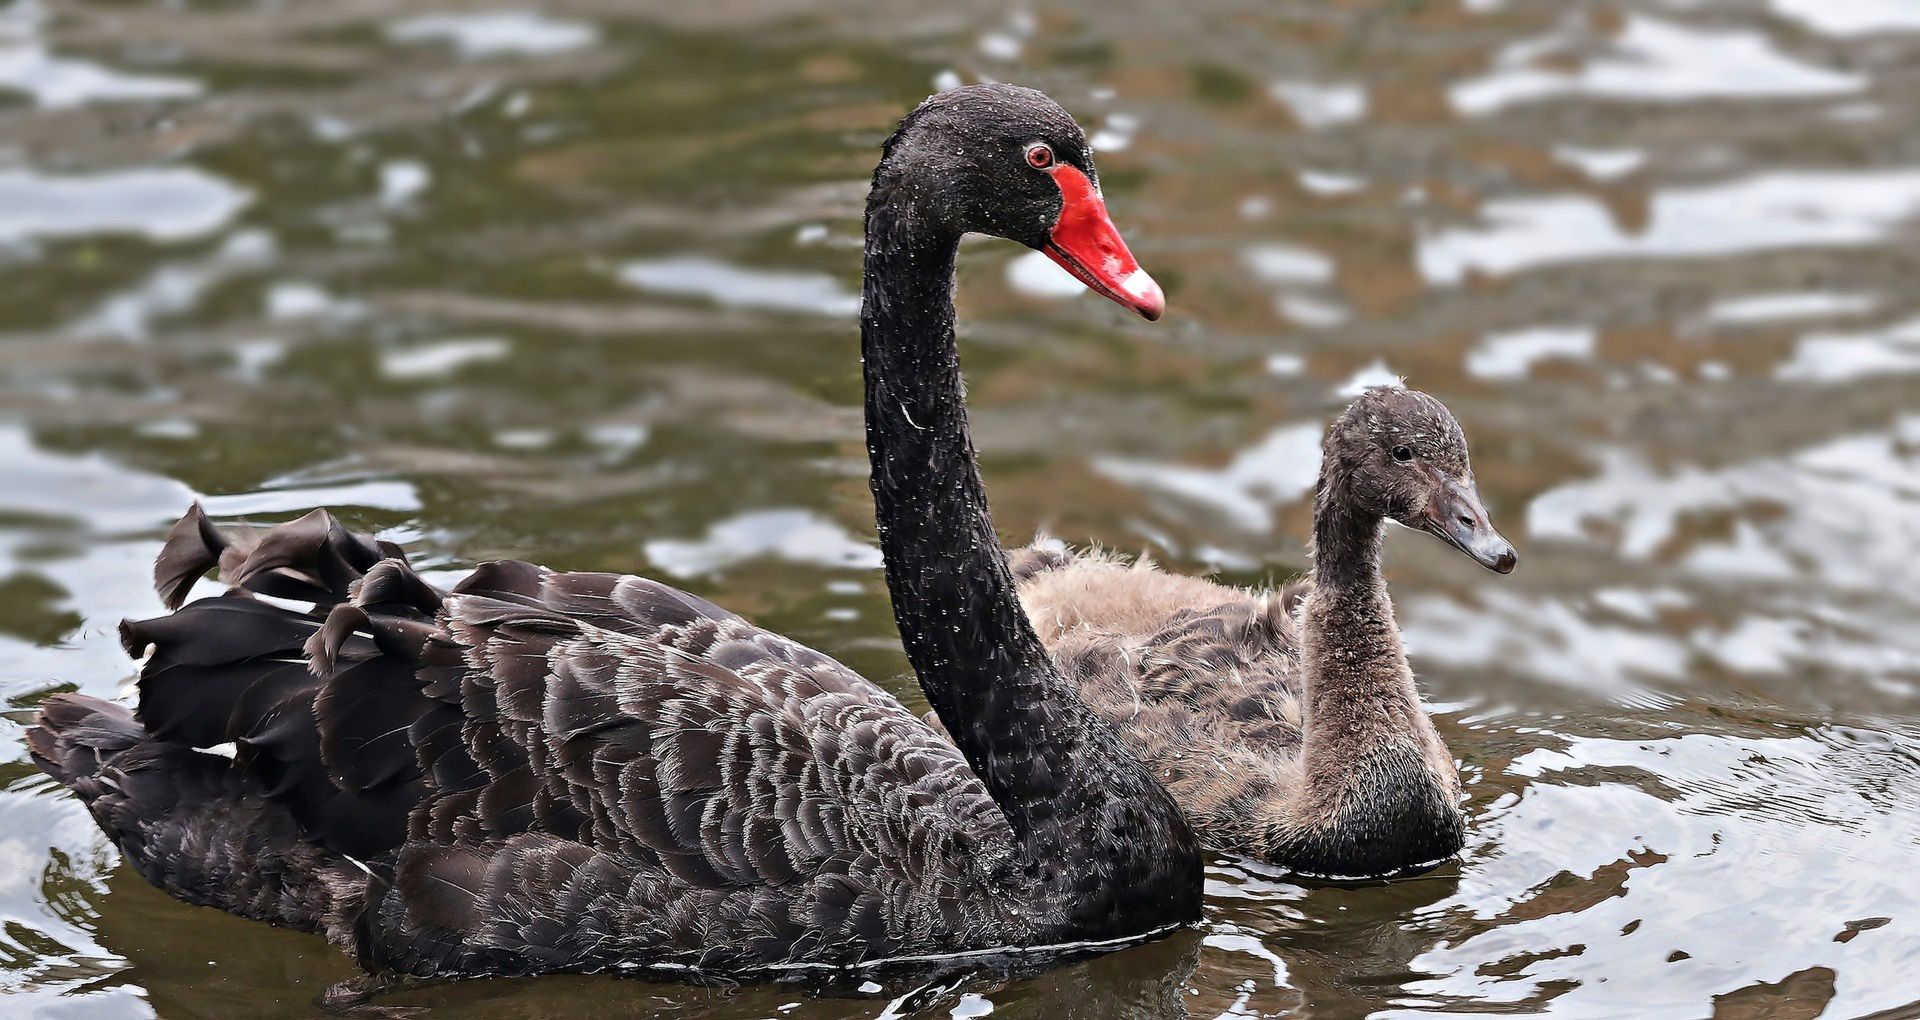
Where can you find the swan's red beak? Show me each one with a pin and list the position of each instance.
(1085, 243)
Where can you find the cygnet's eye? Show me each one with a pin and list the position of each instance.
(1403, 453)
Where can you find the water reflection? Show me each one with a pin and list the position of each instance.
(1777, 210)
(1841, 357)
(1854, 18)
(717, 281)
(1279, 469)
(1601, 164)
(440, 358)
(577, 282)
(28, 66)
(480, 34)
(1671, 824)
(1647, 59)
(175, 288)
(1513, 355)
(1809, 304)
(794, 536)
(1321, 104)
(160, 203)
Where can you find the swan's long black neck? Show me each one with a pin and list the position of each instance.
(1077, 801)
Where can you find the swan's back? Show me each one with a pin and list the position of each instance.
(1202, 679)
(535, 771)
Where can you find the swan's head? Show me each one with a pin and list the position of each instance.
(1008, 161)
(1400, 455)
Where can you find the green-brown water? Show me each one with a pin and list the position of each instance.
(578, 285)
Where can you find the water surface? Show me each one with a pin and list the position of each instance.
(576, 282)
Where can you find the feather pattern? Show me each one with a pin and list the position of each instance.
(548, 771)
(1207, 683)
(1203, 680)
(1285, 723)
(189, 822)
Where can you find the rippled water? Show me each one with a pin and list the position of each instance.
(577, 284)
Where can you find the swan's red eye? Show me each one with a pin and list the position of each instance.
(1039, 156)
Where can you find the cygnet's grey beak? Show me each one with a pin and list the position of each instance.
(1455, 516)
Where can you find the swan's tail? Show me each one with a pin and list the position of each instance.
(191, 824)
(77, 736)
(274, 839)
(281, 667)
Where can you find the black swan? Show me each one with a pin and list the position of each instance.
(1301, 742)
(539, 771)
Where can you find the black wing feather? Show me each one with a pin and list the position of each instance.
(545, 771)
